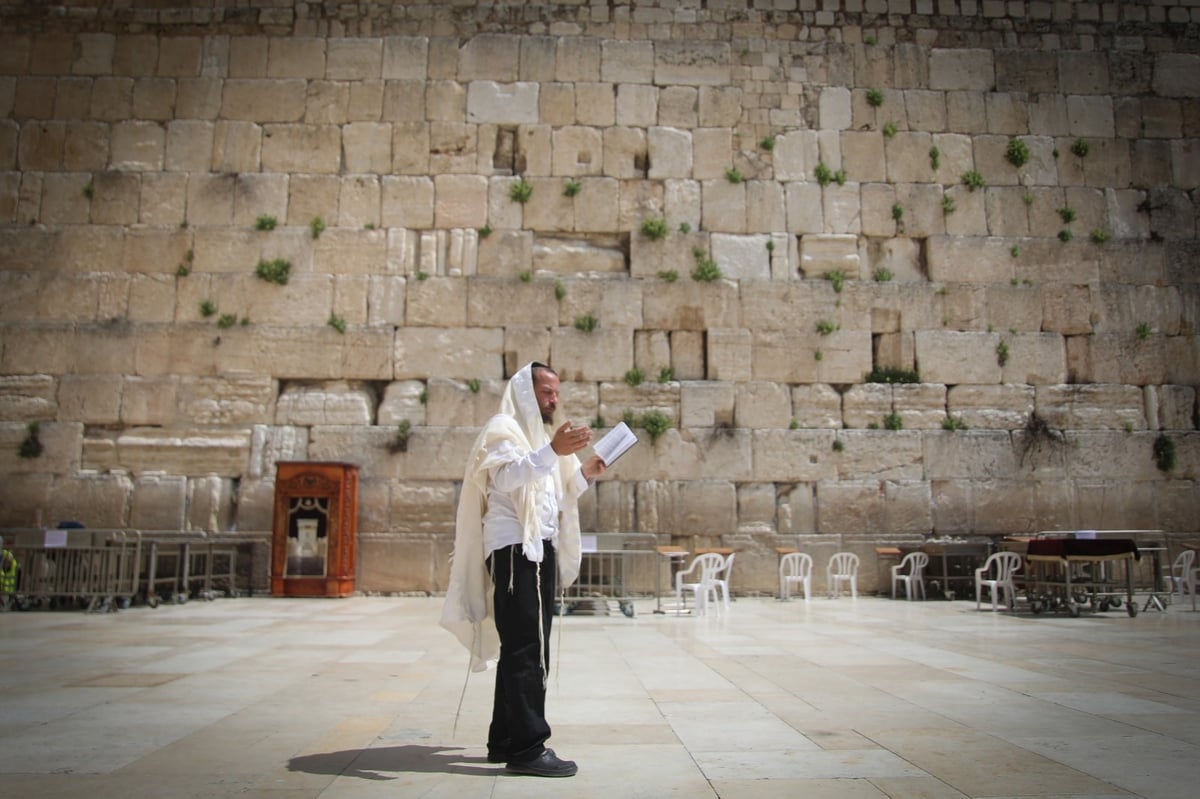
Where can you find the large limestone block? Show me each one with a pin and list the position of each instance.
(334, 402)
(866, 404)
(496, 302)
(920, 406)
(595, 104)
(222, 452)
(437, 302)
(907, 157)
(863, 155)
(612, 303)
(765, 207)
(1182, 356)
(577, 151)
(270, 444)
(970, 455)
(822, 254)
(547, 209)
(469, 353)
(1091, 407)
(805, 208)
(848, 507)
(150, 400)
(652, 352)
(138, 146)
(418, 507)
(711, 151)
(502, 103)
(969, 259)
(1001, 407)
(688, 305)
(961, 70)
(407, 202)
(729, 354)
(625, 152)
(816, 405)
(27, 398)
(925, 110)
(1066, 309)
(1114, 455)
(461, 201)
(795, 307)
(369, 448)
(692, 63)
(723, 206)
(626, 62)
(489, 56)
(742, 257)
(1121, 358)
(506, 252)
(159, 503)
(595, 207)
(353, 59)
(670, 153)
(456, 403)
(834, 108)
(843, 356)
(296, 57)
(96, 500)
(706, 404)
(953, 357)
(617, 398)
(707, 508)
(440, 452)
(411, 148)
(637, 105)
(762, 404)
(676, 252)
(306, 352)
(795, 156)
(230, 400)
(603, 354)
(61, 442)
(302, 148)
(921, 209)
(403, 400)
(263, 101)
(576, 257)
(1174, 74)
(1035, 358)
(1090, 116)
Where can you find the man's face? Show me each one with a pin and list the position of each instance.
(545, 388)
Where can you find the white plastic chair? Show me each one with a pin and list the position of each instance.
(913, 578)
(795, 568)
(1006, 565)
(1182, 577)
(721, 579)
(702, 572)
(842, 568)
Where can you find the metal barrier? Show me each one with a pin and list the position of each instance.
(179, 566)
(615, 568)
(96, 568)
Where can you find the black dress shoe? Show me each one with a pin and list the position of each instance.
(547, 764)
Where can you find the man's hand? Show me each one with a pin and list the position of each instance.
(568, 440)
(592, 468)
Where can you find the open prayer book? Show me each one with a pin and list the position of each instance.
(615, 443)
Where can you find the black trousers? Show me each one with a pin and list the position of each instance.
(519, 729)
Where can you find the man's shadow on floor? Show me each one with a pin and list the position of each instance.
(385, 763)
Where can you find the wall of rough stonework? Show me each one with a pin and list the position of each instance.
(819, 154)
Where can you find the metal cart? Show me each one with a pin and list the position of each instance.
(1081, 574)
(615, 569)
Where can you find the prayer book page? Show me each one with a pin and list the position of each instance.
(615, 443)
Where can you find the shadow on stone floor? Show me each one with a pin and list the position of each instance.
(382, 763)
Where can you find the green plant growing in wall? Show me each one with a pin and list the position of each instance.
(265, 222)
(1002, 353)
(770, 245)
(316, 227)
(572, 188)
(421, 275)
(634, 377)
(423, 397)
(947, 204)
(207, 308)
(889, 129)
(897, 213)
(893, 421)
(874, 98)
(1027, 198)
(185, 268)
(1014, 251)
(586, 323)
(838, 445)
(1080, 148)
(400, 442)
(484, 231)
(706, 269)
(473, 385)
(1099, 236)
(655, 228)
(666, 374)
(1017, 152)
(953, 423)
(838, 278)
(277, 270)
(685, 228)
(823, 173)
(767, 143)
(826, 327)
(520, 191)
(526, 276)
(89, 189)
(1065, 235)
(226, 320)
(1164, 453)
(882, 274)
(794, 424)
(1144, 330)
(31, 446)
(655, 423)
(818, 355)
(1067, 215)
(337, 323)
(935, 158)
(885, 374)
(560, 290)
(669, 275)
(734, 175)
(973, 180)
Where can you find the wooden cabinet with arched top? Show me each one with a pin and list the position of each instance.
(315, 531)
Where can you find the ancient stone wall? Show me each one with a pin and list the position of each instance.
(769, 211)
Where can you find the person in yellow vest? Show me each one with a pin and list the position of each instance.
(8, 573)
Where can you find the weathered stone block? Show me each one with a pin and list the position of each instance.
(612, 303)
(706, 404)
(796, 155)
(762, 405)
(159, 503)
(461, 201)
(502, 103)
(742, 257)
(1091, 407)
(455, 403)
(572, 257)
(823, 254)
(603, 354)
(440, 352)
(28, 398)
(952, 357)
(302, 148)
(405, 57)
(1001, 407)
(969, 259)
(692, 63)
(403, 400)
(353, 59)
(962, 70)
(670, 153)
(328, 403)
(693, 306)
(263, 101)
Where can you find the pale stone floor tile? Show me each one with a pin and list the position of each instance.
(850, 788)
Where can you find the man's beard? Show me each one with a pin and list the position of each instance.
(547, 417)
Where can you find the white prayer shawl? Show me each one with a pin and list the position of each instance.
(467, 611)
